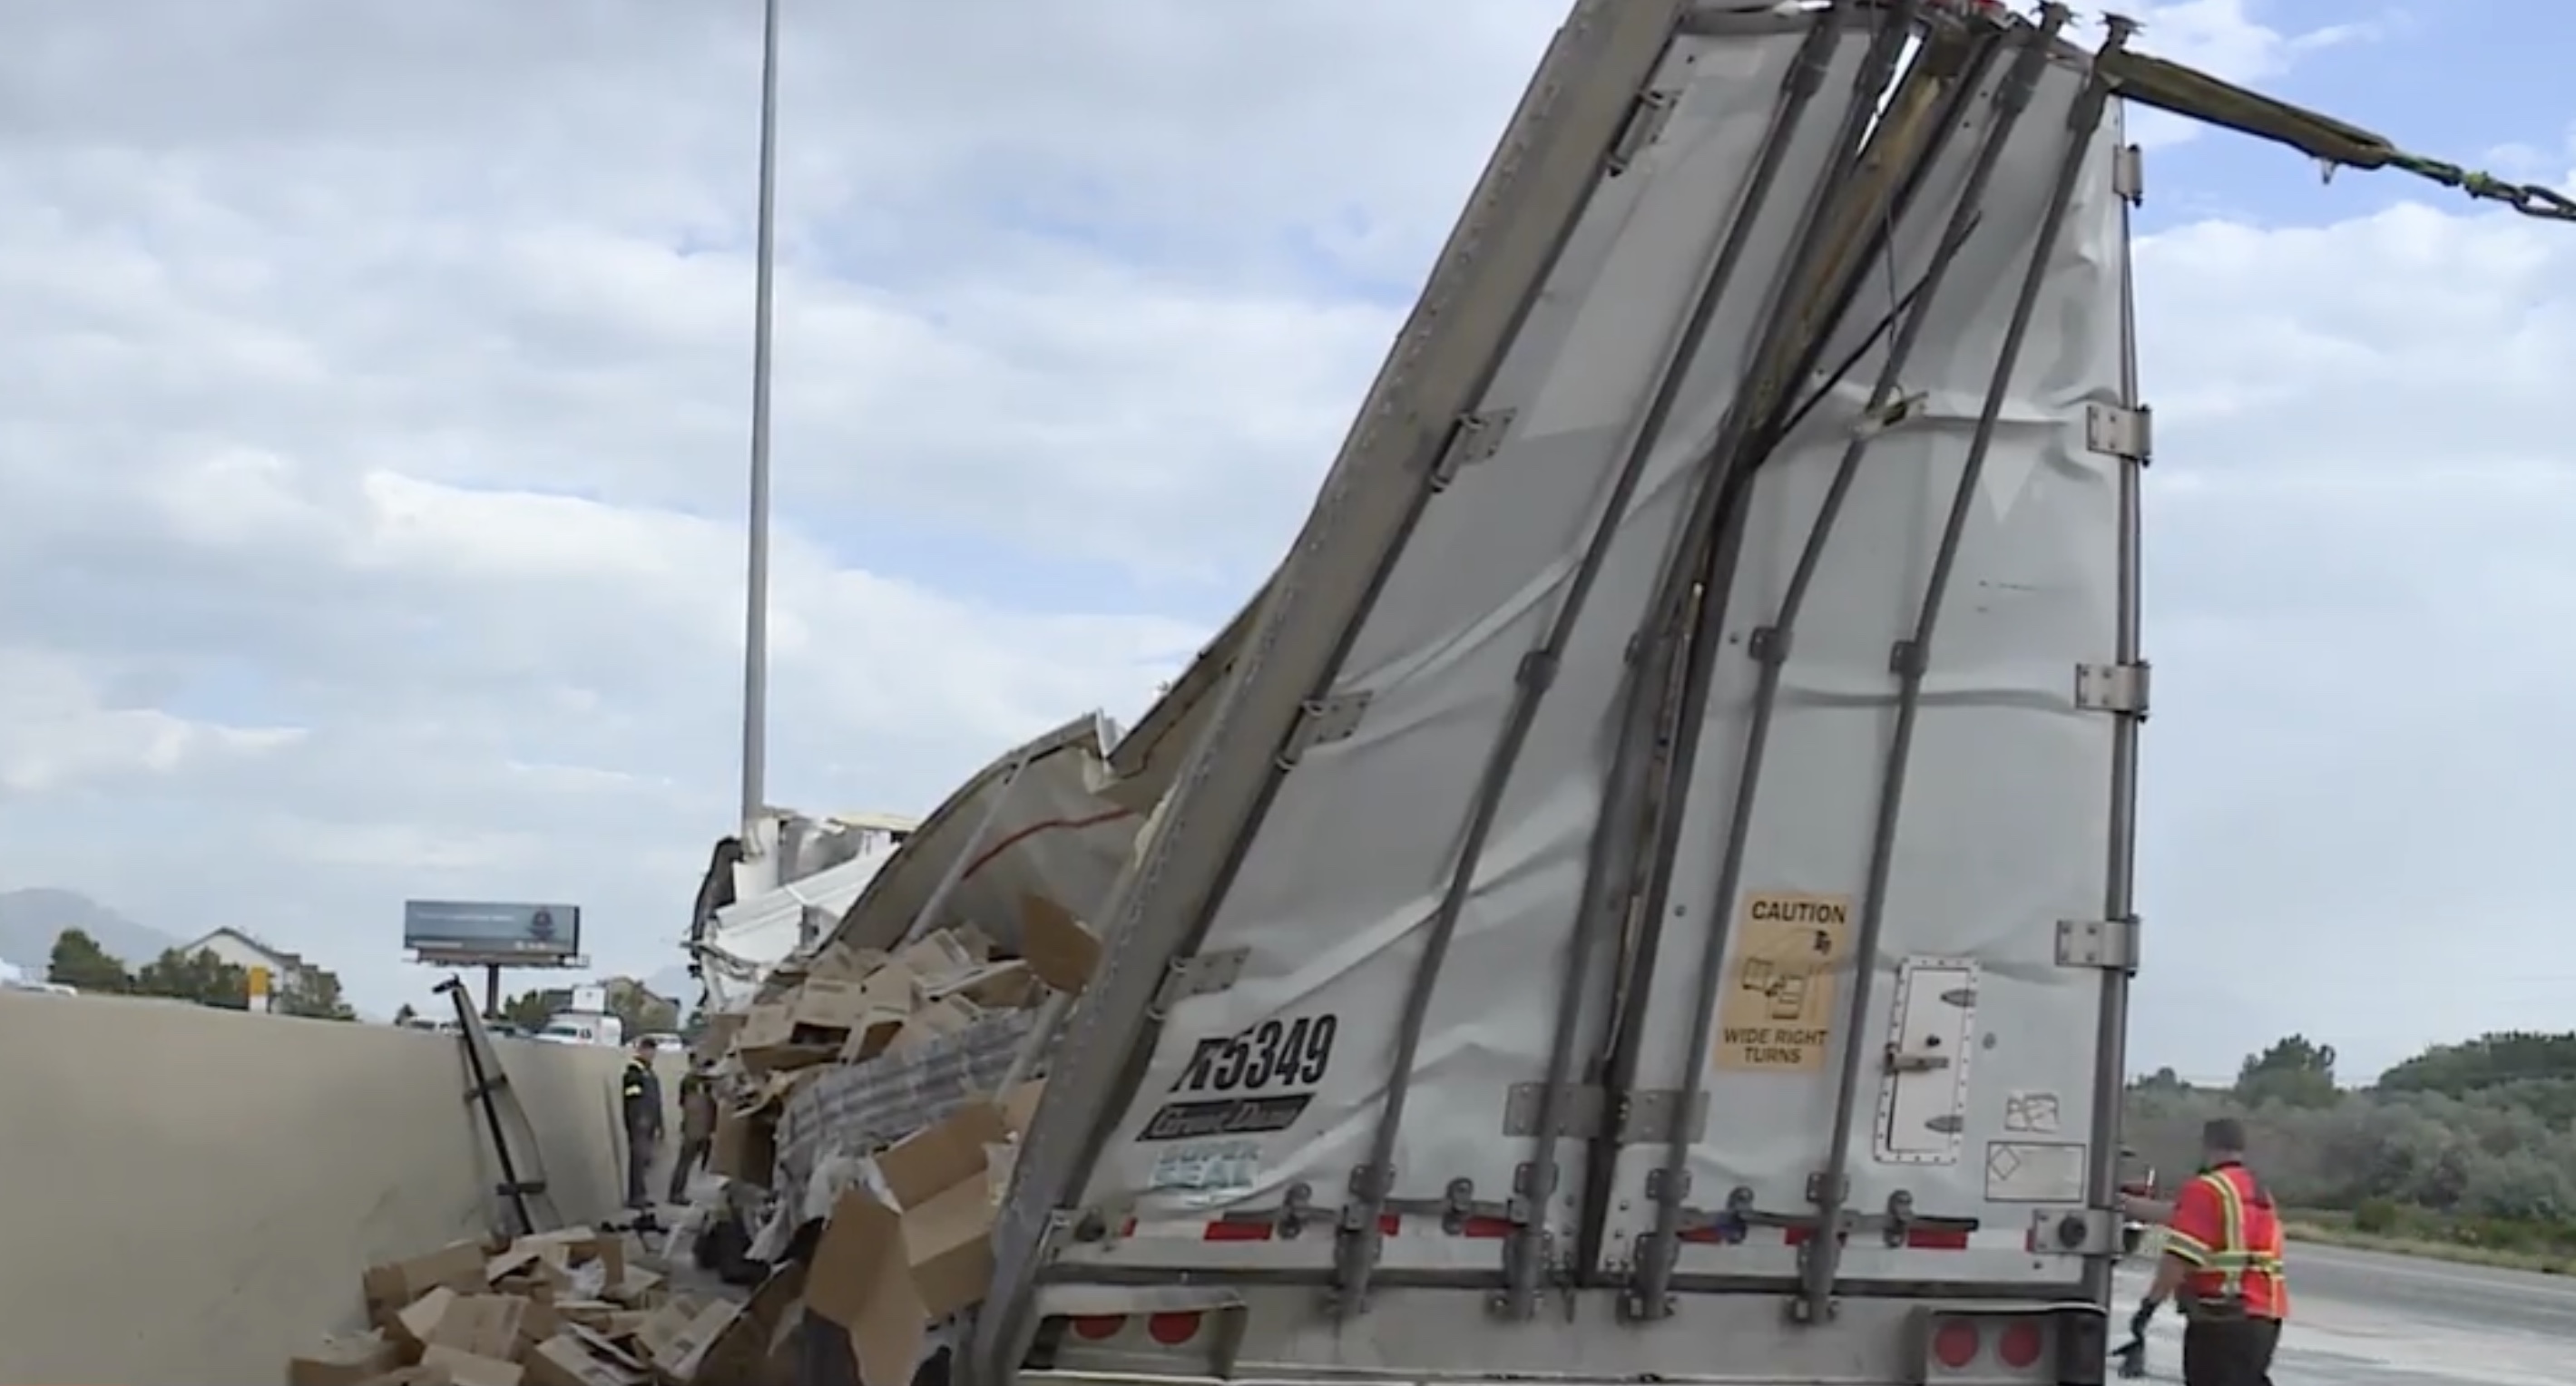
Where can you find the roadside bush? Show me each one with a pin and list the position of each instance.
(2472, 1143)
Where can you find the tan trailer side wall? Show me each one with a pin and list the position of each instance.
(189, 1195)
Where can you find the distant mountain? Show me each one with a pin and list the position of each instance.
(30, 920)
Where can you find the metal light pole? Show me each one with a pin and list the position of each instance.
(755, 620)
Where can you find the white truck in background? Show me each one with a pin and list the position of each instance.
(1653, 901)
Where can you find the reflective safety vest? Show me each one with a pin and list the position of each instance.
(2227, 1229)
(639, 1098)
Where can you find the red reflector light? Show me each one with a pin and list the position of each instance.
(1236, 1232)
(1954, 1344)
(1098, 1326)
(2020, 1344)
(1937, 1238)
(1172, 1330)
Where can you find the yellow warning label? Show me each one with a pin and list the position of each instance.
(1777, 1012)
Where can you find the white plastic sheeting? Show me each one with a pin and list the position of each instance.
(750, 938)
(1034, 821)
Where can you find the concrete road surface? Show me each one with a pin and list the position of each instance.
(2359, 1318)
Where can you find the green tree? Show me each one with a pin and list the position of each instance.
(80, 963)
(315, 995)
(2294, 1072)
(404, 1014)
(528, 1010)
(639, 1010)
(2485, 1063)
(200, 977)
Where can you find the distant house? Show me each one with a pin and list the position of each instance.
(244, 951)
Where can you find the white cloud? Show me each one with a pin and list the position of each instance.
(55, 734)
(370, 466)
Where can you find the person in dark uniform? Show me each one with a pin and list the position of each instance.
(640, 1099)
(2222, 1264)
(697, 1127)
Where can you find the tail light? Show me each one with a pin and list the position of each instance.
(1169, 1330)
(1967, 1344)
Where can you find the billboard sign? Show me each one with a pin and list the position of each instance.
(490, 931)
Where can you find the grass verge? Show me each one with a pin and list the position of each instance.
(2336, 1229)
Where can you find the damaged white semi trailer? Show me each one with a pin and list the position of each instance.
(1653, 901)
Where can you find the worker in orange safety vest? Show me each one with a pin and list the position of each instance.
(2222, 1264)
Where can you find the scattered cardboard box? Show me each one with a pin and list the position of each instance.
(939, 1019)
(413, 1376)
(886, 1273)
(564, 1360)
(395, 1284)
(472, 1369)
(510, 1321)
(486, 1325)
(941, 953)
(997, 986)
(1060, 950)
(345, 1360)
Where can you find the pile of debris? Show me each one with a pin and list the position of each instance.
(873, 1103)
(568, 1308)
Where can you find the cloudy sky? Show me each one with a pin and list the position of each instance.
(371, 449)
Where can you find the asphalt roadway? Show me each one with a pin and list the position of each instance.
(2361, 1318)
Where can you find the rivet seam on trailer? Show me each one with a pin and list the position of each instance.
(1472, 439)
(2114, 430)
(1321, 722)
(1644, 126)
(2110, 944)
(2129, 174)
(2125, 689)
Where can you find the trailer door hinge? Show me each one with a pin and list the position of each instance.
(1474, 438)
(1202, 974)
(2109, 944)
(1645, 125)
(2129, 174)
(2115, 430)
(2121, 688)
(1321, 722)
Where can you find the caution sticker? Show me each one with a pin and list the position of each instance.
(1776, 1014)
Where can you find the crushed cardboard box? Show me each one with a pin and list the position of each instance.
(886, 1270)
(849, 1005)
(566, 1308)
